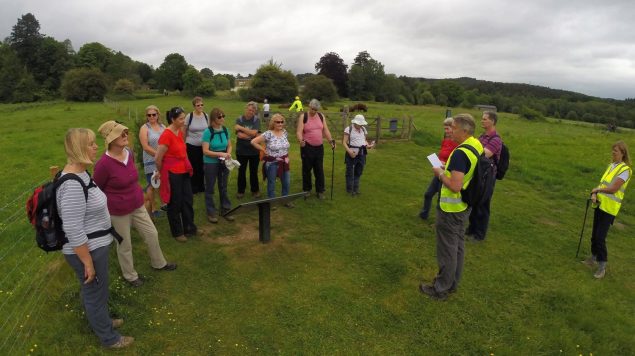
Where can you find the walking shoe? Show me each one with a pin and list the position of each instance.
(212, 218)
(289, 205)
(590, 261)
(123, 342)
(423, 216)
(307, 195)
(321, 196)
(136, 283)
(192, 233)
(181, 238)
(432, 293)
(117, 323)
(240, 195)
(601, 270)
(157, 214)
(168, 267)
(229, 217)
(256, 195)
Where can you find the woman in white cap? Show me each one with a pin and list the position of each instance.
(355, 143)
(116, 175)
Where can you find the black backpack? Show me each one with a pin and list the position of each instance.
(213, 132)
(481, 186)
(306, 117)
(191, 115)
(503, 163)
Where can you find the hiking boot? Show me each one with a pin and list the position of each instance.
(168, 267)
(599, 274)
(432, 293)
(181, 238)
(117, 323)
(123, 342)
(591, 261)
(212, 218)
(136, 283)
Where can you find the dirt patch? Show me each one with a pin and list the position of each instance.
(247, 232)
(619, 226)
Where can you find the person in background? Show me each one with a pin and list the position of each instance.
(492, 145)
(217, 148)
(355, 143)
(265, 110)
(195, 123)
(447, 146)
(86, 224)
(149, 135)
(607, 200)
(452, 212)
(116, 175)
(174, 170)
(311, 130)
(276, 156)
(296, 105)
(247, 127)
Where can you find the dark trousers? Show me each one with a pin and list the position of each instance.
(95, 294)
(252, 162)
(216, 172)
(433, 188)
(601, 223)
(479, 218)
(180, 209)
(312, 160)
(195, 156)
(354, 169)
(450, 249)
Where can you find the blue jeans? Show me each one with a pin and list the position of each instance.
(271, 170)
(216, 172)
(354, 170)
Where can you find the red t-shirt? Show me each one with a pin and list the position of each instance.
(176, 149)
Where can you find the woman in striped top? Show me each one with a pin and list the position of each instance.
(83, 216)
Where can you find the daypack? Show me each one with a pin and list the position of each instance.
(41, 210)
(503, 163)
(213, 132)
(306, 117)
(480, 187)
(191, 115)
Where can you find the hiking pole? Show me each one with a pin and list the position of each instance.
(332, 167)
(588, 201)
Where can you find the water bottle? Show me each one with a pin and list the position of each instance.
(51, 238)
(45, 218)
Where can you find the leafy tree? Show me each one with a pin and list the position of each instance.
(366, 77)
(332, 66)
(302, 77)
(121, 66)
(319, 87)
(427, 98)
(169, 75)
(84, 84)
(50, 64)
(392, 90)
(207, 73)
(11, 72)
(206, 88)
(145, 71)
(25, 89)
(221, 82)
(25, 39)
(192, 78)
(94, 55)
(124, 86)
(452, 91)
(271, 82)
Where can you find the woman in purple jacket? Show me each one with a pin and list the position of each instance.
(116, 175)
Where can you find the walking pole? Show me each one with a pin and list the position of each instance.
(332, 167)
(583, 223)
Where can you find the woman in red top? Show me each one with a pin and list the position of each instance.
(175, 171)
(447, 146)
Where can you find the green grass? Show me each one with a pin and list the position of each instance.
(340, 276)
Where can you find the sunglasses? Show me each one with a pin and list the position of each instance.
(221, 116)
(199, 105)
(151, 115)
(176, 112)
(278, 122)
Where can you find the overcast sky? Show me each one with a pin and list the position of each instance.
(584, 46)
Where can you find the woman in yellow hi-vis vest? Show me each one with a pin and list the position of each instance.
(607, 200)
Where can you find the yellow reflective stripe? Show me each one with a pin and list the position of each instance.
(612, 197)
(451, 200)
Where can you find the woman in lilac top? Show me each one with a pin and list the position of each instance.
(276, 156)
(116, 175)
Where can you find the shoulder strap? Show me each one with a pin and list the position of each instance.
(321, 117)
(189, 121)
(350, 132)
(306, 117)
(472, 149)
(72, 176)
(206, 118)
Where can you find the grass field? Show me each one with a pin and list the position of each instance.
(339, 276)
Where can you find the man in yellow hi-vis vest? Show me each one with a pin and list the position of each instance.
(297, 105)
(609, 195)
(452, 212)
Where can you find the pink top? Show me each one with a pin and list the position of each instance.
(312, 132)
(120, 184)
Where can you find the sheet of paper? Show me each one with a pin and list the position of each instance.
(434, 160)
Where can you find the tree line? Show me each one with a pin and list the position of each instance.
(35, 67)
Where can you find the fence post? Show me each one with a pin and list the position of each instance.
(378, 129)
(410, 123)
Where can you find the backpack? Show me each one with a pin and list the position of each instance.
(503, 163)
(481, 186)
(213, 132)
(306, 117)
(191, 115)
(41, 210)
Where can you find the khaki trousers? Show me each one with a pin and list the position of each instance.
(140, 220)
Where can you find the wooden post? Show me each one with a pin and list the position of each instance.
(53, 170)
(409, 127)
(378, 129)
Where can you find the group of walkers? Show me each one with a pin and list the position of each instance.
(191, 154)
(459, 160)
